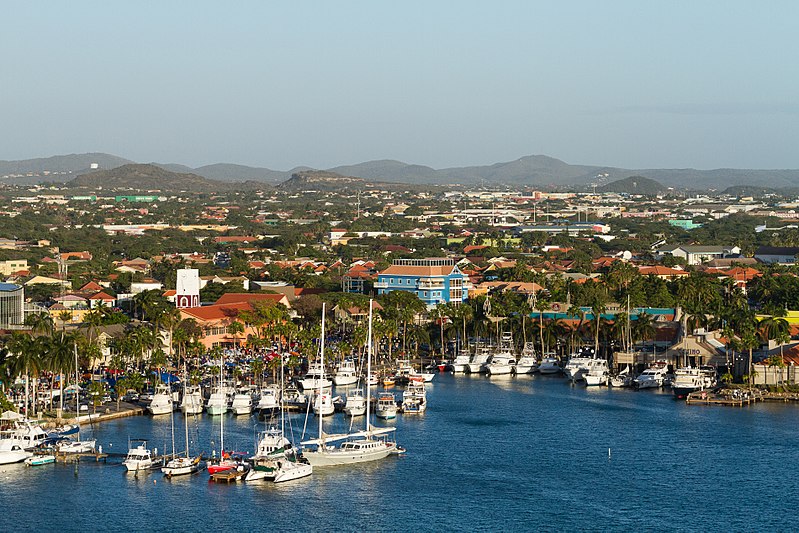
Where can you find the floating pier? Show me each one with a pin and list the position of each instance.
(75, 457)
(228, 476)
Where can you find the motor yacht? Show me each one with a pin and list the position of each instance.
(690, 379)
(139, 456)
(161, 403)
(653, 377)
(269, 401)
(460, 362)
(414, 399)
(527, 362)
(346, 373)
(386, 406)
(549, 365)
(192, 402)
(479, 360)
(356, 403)
(314, 379)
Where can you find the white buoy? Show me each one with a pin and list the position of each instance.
(608, 454)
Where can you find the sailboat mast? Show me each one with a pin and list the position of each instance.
(282, 411)
(77, 396)
(322, 370)
(224, 399)
(368, 365)
(186, 415)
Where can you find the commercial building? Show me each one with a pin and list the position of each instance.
(433, 280)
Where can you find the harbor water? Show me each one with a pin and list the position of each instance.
(502, 453)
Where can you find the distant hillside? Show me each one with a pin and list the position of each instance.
(634, 185)
(320, 180)
(57, 168)
(148, 178)
(538, 171)
(751, 190)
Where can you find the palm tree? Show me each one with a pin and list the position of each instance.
(27, 361)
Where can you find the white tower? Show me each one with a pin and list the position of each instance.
(188, 288)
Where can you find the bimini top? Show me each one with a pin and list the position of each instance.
(9, 287)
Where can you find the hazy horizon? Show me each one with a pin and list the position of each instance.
(705, 85)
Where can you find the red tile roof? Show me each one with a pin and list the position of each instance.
(247, 297)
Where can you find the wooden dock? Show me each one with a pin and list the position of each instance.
(75, 457)
(228, 476)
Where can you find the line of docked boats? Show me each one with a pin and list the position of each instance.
(584, 366)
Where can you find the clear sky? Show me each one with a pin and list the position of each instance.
(636, 84)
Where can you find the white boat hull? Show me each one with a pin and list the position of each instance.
(498, 370)
(85, 446)
(475, 368)
(181, 466)
(344, 380)
(647, 384)
(386, 414)
(38, 460)
(289, 470)
(135, 466)
(8, 457)
(216, 409)
(192, 408)
(337, 457)
(593, 380)
(160, 409)
(242, 410)
(355, 410)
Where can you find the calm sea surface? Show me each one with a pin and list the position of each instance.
(518, 454)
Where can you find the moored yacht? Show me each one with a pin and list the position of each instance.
(527, 362)
(218, 402)
(460, 362)
(272, 445)
(346, 373)
(242, 403)
(549, 365)
(596, 373)
(690, 379)
(356, 403)
(162, 401)
(653, 377)
(414, 399)
(315, 378)
(192, 402)
(10, 449)
(479, 359)
(323, 404)
(139, 456)
(386, 406)
(268, 403)
(577, 364)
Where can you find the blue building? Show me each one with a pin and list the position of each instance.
(433, 280)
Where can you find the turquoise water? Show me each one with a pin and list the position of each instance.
(520, 454)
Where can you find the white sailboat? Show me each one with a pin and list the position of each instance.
(76, 446)
(180, 466)
(357, 447)
(275, 457)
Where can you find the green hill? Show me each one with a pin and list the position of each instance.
(634, 185)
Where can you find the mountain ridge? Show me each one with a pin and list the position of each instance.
(533, 171)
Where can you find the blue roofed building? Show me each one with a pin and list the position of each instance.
(433, 280)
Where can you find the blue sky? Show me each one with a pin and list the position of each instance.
(636, 84)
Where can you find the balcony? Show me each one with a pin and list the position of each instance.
(428, 283)
(380, 285)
